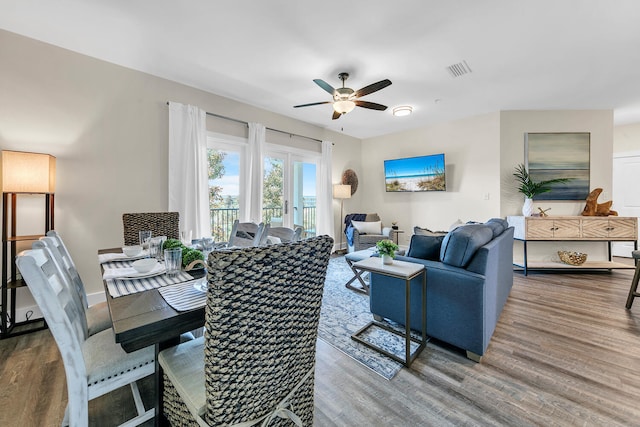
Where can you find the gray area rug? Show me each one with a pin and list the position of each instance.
(344, 312)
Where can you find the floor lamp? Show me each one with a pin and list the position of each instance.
(22, 173)
(341, 191)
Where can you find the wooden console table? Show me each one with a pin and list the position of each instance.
(574, 228)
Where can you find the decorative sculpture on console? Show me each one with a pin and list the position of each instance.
(593, 208)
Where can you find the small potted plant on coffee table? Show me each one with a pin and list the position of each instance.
(387, 250)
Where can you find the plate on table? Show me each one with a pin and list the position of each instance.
(158, 270)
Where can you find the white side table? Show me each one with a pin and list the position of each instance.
(400, 270)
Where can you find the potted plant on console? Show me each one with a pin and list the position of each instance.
(530, 188)
(387, 250)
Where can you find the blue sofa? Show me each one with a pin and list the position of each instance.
(469, 277)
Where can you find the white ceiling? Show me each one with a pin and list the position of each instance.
(543, 54)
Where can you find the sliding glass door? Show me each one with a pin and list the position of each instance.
(289, 191)
(289, 183)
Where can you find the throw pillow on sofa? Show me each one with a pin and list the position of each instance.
(368, 227)
(461, 244)
(426, 232)
(425, 247)
(498, 225)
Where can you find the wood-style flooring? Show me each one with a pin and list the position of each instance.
(565, 352)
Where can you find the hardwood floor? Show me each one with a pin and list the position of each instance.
(565, 352)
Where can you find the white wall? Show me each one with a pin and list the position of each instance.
(472, 156)
(626, 138)
(513, 126)
(481, 153)
(108, 127)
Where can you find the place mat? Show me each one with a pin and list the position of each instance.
(132, 273)
(184, 297)
(125, 263)
(122, 287)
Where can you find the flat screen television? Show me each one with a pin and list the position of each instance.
(423, 173)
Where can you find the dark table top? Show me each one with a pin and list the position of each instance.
(145, 318)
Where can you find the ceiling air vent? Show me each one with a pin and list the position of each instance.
(459, 69)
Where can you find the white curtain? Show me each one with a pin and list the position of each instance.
(324, 200)
(188, 168)
(255, 166)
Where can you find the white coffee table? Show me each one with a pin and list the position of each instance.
(406, 271)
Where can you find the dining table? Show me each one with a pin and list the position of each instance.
(145, 318)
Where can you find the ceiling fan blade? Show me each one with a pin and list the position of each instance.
(313, 103)
(336, 115)
(324, 85)
(370, 105)
(372, 88)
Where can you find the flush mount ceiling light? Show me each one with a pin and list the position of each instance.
(403, 110)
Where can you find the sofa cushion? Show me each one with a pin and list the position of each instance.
(498, 225)
(459, 246)
(425, 247)
(366, 227)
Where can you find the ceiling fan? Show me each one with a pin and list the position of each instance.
(346, 99)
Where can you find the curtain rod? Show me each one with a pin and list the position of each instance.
(271, 129)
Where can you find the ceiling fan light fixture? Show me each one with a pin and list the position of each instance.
(403, 110)
(344, 107)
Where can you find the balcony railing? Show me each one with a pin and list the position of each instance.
(222, 220)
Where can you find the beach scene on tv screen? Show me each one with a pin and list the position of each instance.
(425, 173)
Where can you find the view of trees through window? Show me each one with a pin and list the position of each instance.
(288, 182)
(272, 188)
(224, 185)
(224, 190)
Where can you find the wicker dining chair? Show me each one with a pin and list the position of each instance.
(94, 365)
(159, 223)
(256, 360)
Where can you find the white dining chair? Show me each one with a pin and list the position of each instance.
(245, 234)
(97, 315)
(285, 234)
(94, 365)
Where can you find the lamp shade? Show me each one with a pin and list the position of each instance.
(341, 191)
(28, 172)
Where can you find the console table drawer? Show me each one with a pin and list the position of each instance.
(612, 229)
(575, 228)
(554, 229)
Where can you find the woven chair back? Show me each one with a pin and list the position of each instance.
(160, 224)
(262, 314)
